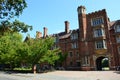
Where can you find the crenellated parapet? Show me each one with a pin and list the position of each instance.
(97, 13)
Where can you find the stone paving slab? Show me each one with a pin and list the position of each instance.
(65, 75)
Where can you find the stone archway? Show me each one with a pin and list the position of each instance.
(99, 64)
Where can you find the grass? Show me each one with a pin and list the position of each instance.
(105, 68)
(22, 69)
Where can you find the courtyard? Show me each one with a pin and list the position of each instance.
(63, 75)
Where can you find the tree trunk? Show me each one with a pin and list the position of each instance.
(11, 66)
(34, 68)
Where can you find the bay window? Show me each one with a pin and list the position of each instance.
(97, 21)
(98, 32)
(100, 44)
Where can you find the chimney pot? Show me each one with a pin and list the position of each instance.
(38, 34)
(45, 32)
(66, 26)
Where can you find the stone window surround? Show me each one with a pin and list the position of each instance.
(97, 22)
(74, 45)
(99, 32)
(85, 61)
(119, 50)
(118, 38)
(70, 54)
(117, 28)
(74, 36)
(100, 44)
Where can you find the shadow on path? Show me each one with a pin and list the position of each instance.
(117, 72)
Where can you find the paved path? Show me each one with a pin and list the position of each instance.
(64, 75)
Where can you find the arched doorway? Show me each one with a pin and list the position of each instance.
(102, 62)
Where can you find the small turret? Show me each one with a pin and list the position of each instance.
(82, 21)
(81, 10)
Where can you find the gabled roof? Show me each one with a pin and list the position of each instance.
(112, 24)
(63, 35)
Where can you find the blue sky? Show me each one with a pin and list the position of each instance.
(53, 13)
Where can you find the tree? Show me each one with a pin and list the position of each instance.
(41, 51)
(22, 54)
(14, 51)
(12, 48)
(62, 58)
(15, 26)
(11, 8)
(8, 45)
(105, 62)
(51, 56)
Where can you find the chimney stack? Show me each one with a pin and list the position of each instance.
(66, 26)
(38, 34)
(45, 32)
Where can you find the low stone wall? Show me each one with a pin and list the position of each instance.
(86, 68)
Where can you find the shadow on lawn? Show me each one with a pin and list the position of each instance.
(17, 71)
(24, 71)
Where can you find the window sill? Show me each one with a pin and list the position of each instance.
(100, 37)
(98, 26)
(101, 51)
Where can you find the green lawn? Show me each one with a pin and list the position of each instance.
(106, 68)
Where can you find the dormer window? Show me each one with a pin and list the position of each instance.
(117, 28)
(74, 36)
(97, 21)
(57, 39)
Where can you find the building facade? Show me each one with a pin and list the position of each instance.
(96, 38)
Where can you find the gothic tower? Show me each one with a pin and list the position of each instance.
(82, 21)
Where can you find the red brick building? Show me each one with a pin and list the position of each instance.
(95, 39)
